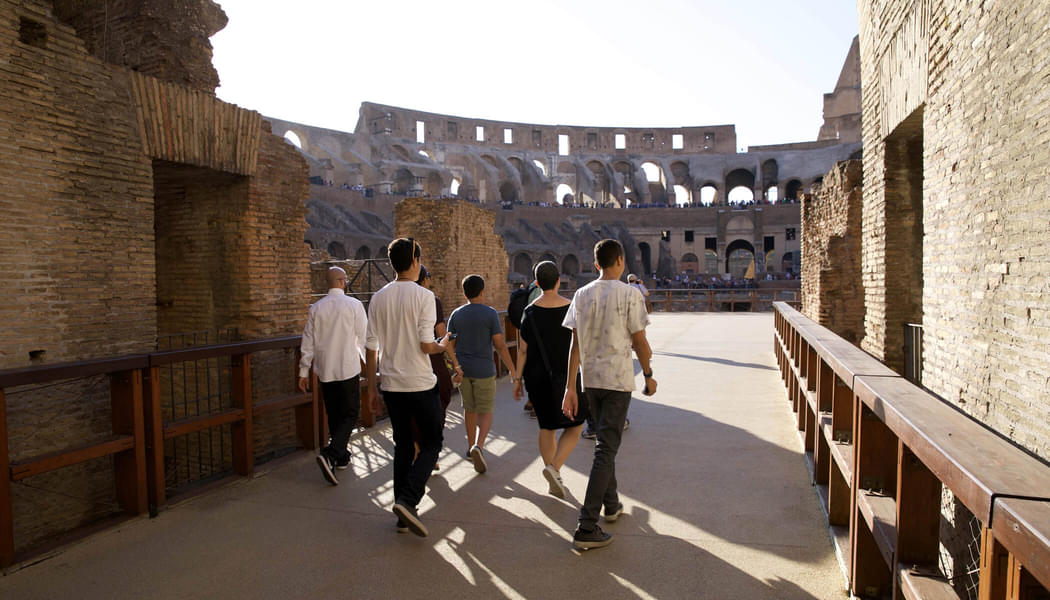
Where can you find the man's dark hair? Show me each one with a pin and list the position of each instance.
(423, 274)
(400, 252)
(546, 275)
(606, 252)
(472, 286)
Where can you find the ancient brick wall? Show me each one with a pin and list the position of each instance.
(168, 39)
(984, 272)
(832, 294)
(131, 205)
(458, 238)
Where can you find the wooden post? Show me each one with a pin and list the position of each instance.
(243, 453)
(129, 466)
(7, 527)
(154, 430)
(322, 419)
(667, 301)
(918, 513)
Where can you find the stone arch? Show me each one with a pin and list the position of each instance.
(401, 152)
(740, 178)
(740, 225)
(570, 265)
(548, 256)
(564, 194)
(404, 181)
(769, 173)
(787, 263)
(363, 253)
(689, 263)
(707, 194)
(736, 257)
(295, 139)
(710, 262)
(646, 253)
(433, 185)
(792, 189)
(337, 250)
(523, 265)
(508, 193)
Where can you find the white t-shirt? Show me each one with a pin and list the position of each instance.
(605, 313)
(638, 285)
(401, 316)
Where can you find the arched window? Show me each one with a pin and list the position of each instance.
(542, 167)
(708, 195)
(564, 190)
(363, 253)
(508, 193)
(549, 257)
(771, 194)
(741, 194)
(792, 189)
(689, 263)
(710, 262)
(336, 250)
(740, 255)
(570, 265)
(523, 265)
(293, 139)
(653, 172)
(647, 257)
(787, 264)
(453, 188)
(681, 196)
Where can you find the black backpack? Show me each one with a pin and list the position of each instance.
(519, 299)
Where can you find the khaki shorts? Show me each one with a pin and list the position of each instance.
(479, 395)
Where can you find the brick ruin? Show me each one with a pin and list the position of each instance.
(137, 205)
(832, 294)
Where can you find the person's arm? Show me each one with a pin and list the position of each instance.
(516, 373)
(645, 354)
(570, 402)
(370, 376)
(501, 349)
(427, 318)
(306, 351)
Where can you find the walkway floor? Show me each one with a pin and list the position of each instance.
(718, 505)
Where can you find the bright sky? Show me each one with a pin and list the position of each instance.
(761, 64)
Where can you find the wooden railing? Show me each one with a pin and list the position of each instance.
(882, 448)
(139, 429)
(712, 300)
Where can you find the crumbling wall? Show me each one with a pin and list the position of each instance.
(458, 239)
(832, 294)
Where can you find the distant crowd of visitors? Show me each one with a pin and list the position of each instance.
(573, 360)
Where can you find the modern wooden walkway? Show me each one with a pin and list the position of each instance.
(718, 505)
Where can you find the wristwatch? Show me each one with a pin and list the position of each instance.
(648, 375)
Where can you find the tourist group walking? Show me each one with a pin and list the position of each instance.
(573, 361)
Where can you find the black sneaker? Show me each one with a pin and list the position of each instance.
(589, 434)
(342, 466)
(327, 469)
(402, 527)
(612, 515)
(585, 540)
(626, 424)
(408, 514)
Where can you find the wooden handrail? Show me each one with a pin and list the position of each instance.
(137, 440)
(903, 444)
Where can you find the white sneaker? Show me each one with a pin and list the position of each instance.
(479, 460)
(556, 487)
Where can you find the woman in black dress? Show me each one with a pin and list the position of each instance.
(543, 359)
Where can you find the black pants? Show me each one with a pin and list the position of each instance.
(423, 409)
(342, 403)
(609, 409)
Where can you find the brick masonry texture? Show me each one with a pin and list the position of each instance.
(136, 204)
(458, 239)
(832, 294)
(975, 76)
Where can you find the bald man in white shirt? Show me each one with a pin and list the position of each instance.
(334, 342)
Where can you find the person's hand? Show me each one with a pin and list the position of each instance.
(650, 386)
(443, 342)
(569, 403)
(304, 385)
(457, 378)
(519, 393)
(373, 397)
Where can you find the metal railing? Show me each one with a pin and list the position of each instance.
(719, 300)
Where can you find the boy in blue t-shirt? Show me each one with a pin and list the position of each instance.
(475, 329)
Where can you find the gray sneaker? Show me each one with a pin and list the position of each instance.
(586, 540)
(410, 517)
(555, 486)
(612, 515)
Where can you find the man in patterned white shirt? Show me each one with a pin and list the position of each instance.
(334, 342)
(608, 319)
